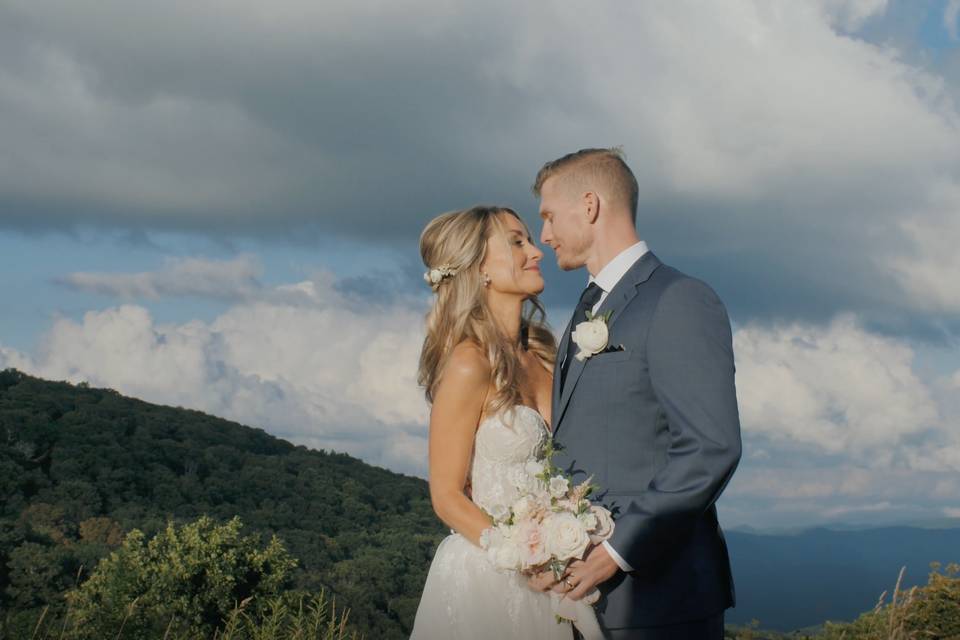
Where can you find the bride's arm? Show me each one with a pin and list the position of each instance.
(457, 405)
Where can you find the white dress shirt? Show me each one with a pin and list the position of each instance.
(611, 274)
(607, 279)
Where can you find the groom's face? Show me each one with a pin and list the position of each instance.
(565, 227)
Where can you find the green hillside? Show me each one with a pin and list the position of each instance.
(79, 467)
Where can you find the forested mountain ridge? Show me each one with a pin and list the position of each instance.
(81, 466)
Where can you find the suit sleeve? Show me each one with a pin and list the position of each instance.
(690, 360)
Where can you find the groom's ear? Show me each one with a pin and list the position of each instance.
(591, 206)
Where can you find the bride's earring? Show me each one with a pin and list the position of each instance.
(486, 280)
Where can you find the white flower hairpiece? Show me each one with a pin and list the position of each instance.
(435, 276)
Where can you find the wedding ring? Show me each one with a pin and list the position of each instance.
(568, 583)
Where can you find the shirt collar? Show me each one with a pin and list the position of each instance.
(610, 275)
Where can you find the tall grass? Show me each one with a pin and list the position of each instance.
(308, 618)
(928, 612)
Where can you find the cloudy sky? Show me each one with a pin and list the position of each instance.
(217, 205)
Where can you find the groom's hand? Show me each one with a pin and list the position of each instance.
(541, 581)
(582, 576)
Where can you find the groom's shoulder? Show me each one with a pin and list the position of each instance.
(676, 285)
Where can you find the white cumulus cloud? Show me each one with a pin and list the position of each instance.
(851, 14)
(836, 418)
(838, 388)
(840, 423)
(326, 371)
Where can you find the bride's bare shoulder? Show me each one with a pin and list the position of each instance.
(465, 377)
(467, 362)
(463, 386)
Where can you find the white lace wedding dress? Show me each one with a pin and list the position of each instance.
(464, 596)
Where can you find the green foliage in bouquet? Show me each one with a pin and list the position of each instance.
(550, 470)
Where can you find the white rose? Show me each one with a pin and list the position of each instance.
(604, 527)
(508, 556)
(534, 467)
(524, 507)
(538, 488)
(565, 536)
(504, 551)
(591, 336)
(559, 486)
(499, 512)
(531, 483)
(588, 519)
(436, 275)
(485, 537)
(491, 537)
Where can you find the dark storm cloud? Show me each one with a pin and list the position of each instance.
(778, 160)
(201, 121)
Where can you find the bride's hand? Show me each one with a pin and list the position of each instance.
(541, 581)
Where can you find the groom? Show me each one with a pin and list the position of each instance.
(651, 414)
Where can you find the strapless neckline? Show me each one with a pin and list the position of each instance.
(528, 408)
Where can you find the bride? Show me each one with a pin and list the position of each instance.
(486, 368)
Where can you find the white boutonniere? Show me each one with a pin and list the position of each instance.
(591, 336)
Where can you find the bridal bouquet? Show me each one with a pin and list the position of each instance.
(550, 524)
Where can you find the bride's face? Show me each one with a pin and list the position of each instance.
(513, 261)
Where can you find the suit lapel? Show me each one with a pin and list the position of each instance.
(561, 354)
(615, 302)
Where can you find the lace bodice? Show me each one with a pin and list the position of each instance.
(503, 446)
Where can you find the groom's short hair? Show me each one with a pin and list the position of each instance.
(595, 167)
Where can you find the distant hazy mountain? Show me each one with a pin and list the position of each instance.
(795, 581)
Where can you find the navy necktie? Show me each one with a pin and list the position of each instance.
(588, 298)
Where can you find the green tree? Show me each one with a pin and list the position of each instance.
(37, 574)
(185, 579)
(79, 466)
(101, 530)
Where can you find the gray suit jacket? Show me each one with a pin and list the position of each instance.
(656, 424)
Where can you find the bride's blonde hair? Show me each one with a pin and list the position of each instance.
(457, 242)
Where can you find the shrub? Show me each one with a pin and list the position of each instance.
(183, 580)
